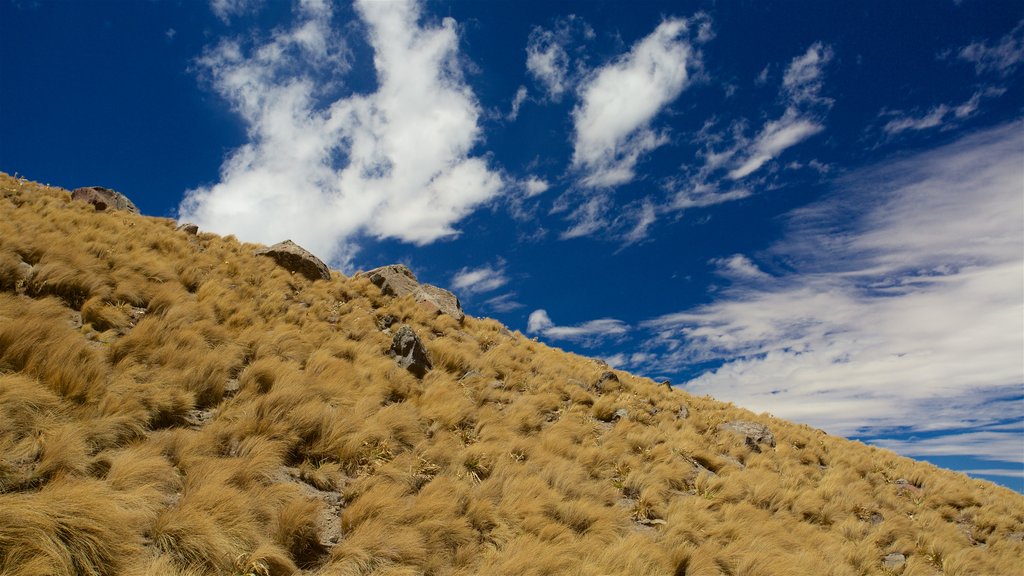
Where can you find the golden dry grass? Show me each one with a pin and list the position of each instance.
(172, 404)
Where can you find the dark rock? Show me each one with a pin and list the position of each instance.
(397, 280)
(295, 258)
(104, 199)
(409, 352)
(188, 228)
(604, 379)
(753, 432)
(894, 561)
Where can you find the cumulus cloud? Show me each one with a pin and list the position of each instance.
(903, 307)
(619, 101)
(588, 333)
(547, 55)
(1001, 57)
(479, 280)
(548, 62)
(396, 163)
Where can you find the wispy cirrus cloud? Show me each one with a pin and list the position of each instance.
(395, 163)
(228, 9)
(478, 280)
(901, 306)
(943, 116)
(730, 156)
(1001, 57)
(587, 333)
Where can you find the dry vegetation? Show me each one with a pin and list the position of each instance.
(171, 404)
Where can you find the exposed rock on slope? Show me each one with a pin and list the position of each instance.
(104, 199)
(409, 352)
(397, 280)
(295, 258)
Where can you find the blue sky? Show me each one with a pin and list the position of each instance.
(812, 209)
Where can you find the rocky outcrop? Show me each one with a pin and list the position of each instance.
(188, 228)
(104, 199)
(754, 434)
(397, 280)
(296, 259)
(409, 353)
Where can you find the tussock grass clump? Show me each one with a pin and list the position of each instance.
(172, 404)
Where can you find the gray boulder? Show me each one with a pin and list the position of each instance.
(188, 228)
(397, 280)
(894, 561)
(104, 199)
(754, 434)
(295, 258)
(409, 353)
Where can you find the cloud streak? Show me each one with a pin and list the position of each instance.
(730, 157)
(395, 163)
(902, 306)
(479, 280)
(588, 333)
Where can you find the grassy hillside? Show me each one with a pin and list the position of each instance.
(172, 404)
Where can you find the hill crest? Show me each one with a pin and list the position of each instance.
(172, 403)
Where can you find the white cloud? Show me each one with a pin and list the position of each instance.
(392, 164)
(619, 101)
(775, 137)
(588, 333)
(538, 321)
(904, 306)
(729, 155)
(803, 79)
(535, 186)
(588, 218)
(548, 58)
(1000, 57)
(644, 216)
(801, 88)
(739, 267)
(479, 280)
(517, 102)
(941, 116)
(548, 62)
(1002, 472)
(503, 303)
(987, 445)
(701, 195)
(616, 360)
(227, 9)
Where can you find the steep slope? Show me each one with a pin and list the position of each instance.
(174, 404)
